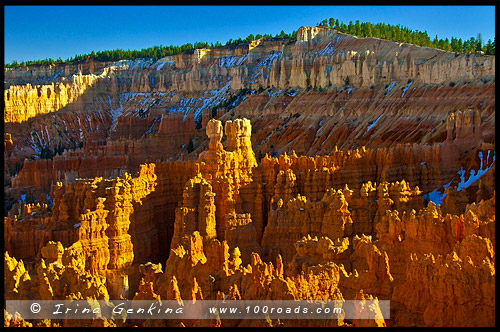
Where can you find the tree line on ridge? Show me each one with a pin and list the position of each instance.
(395, 33)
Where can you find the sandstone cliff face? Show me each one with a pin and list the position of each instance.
(227, 171)
(94, 213)
(309, 239)
(438, 255)
(213, 273)
(295, 218)
(131, 107)
(323, 58)
(43, 173)
(196, 212)
(152, 222)
(240, 234)
(365, 60)
(299, 187)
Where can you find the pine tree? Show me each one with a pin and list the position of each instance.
(350, 28)
(190, 146)
(357, 28)
(435, 42)
(489, 49)
(369, 32)
(479, 44)
(454, 45)
(460, 45)
(347, 81)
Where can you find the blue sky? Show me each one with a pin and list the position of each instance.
(39, 32)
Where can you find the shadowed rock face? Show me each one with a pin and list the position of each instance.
(300, 187)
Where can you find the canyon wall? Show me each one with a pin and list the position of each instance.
(332, 167)
(298, 237)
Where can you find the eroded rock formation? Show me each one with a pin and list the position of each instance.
(266, 178)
